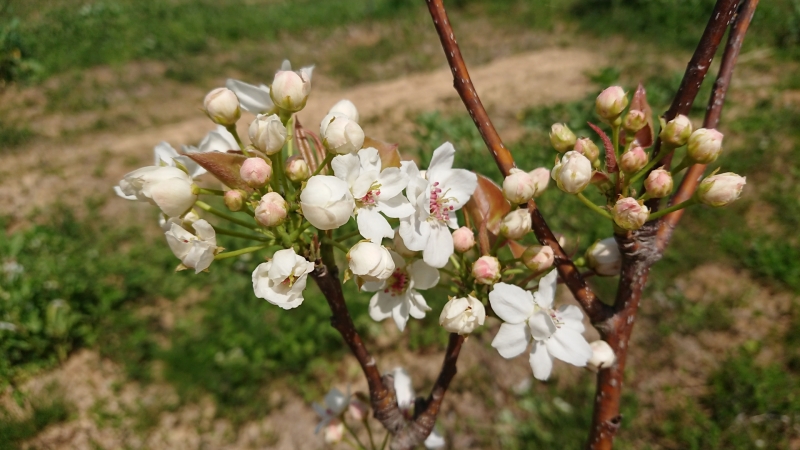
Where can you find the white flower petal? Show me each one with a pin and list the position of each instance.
(542, 325)
(369, 157)
(417, 305)
(254, 99)
(400, 313)
(441, 161)
(541, 361)
(572, 317)
(397, 207)
(403, 389)
(381, 305)
(547, 290)
(346, 167)
(459, 185)
(434, 440)
(511, 303)
(439, 247)
(423, 275)
(415, 232)
(569, 346)
(392, 181)
(118, 191)
(373, 226)
(511, 340)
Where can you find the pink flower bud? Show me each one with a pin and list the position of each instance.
(297, 169)
(357, 410)
(255, 172)
(271, 210)
(463, 239)
(676, 132)
(610, 103)
(603, 356)
(721, 189)
(518, 187)
(630, 214)
(234, 199)
(587, 148)
(541, 178)
(633, 160)
(516, 224)
(290, 89)
(704, 146)
(486, 270)
(562, 137)
(634, 121)
(604, 258)
(538, 257)
(573, 173)
(659, 183)
(222, 106)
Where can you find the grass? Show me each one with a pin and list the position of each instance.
(46, 408)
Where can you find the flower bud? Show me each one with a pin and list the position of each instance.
(267, 133)
(587, 148)
(341, 135)
(705, 145)
(290, 89)
(541, 178)
(658, 184)
(603, 356)
(633, 160)
(357, 410)
(462, 315)
(463, 239)
(326, 202)
(400, 246)
(610, 103)
(604, 258)
(370, 261)
(562, 137)
(222, 106)
(573, 173)
(676, 132)
(630, 214)
(234, 199)
(255, 172)
(297, 169)
(170, 188)
(538, 258)
(271, 210)
(345, 108)
(486, 270)
(720, 189)
(634, 121)
(518, 187)
(516, 224)
(333, 433)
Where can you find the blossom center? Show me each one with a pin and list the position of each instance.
(370, 199)
(397, 283)
(438, 205)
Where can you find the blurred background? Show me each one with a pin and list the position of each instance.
(103, 346)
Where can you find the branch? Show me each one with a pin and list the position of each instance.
(505, 162)
(713, 113)
(698, 66)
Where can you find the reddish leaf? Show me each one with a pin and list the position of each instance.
(516, 248)
(639, 102)
(390, 156)
(487, 205)
(224, 166)
(611, 159)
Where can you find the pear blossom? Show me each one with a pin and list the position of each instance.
(573, 173)
(254, 99)
(704, 146)
(531, 318)
(370, 261)
(340, 134)
(604, 257)
(562, 137)
(404, 392)
(326, 202)
(720, 189)
(267, 133)
(677, 131)
(436, 196)
(234, 199)
(400, 246)
(290, 89)
(217, 140)
(166, 156)
(195, 250)
(335, 404)
(518, 187)
(486, 270)
(222, 106)
(345, 108)
(397, 297)
(282, 279)
(463, 239)
(185, 221)
(462, 315)
(272, 210)
(538, 258)
(375, 191)
(169, 188)
(296, 169)
(634, 121)
(611, 103)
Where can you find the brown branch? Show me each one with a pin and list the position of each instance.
(698, 67)
(713, 112)
(505, 161)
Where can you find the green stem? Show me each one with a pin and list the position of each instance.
(667, 151)
(290, 140)
(347, 236)
(449, 272)
(198, 190)
(240, 252)
(593, 207)
(336, 244)
(232, 130)
(672, 208)
(346, 427)
(385, 440)
(208, 208)
(296, 233)
(686, 162)
(241, 235)
(514, 272)
(497, 244)
(369, 432)
(455, 262)
(325, 162)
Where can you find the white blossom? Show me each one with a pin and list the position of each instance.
(254, 99)
(531, 318)
(462, 315)
(375, 191)
(222, 106)
(218, 140)
(169, 188)
(345, 108)
(436, 196)
(282, 279)
(340, 134)
(326, 202)
(370, 261)
(290, 89)
(335, 404)
(397, 297)
(195, 250)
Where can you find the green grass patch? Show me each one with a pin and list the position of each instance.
(43, 410)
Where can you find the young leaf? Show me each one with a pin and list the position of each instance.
(645, 135)
(611, 159)
(487, 205)
(390, 156)
(224, 166)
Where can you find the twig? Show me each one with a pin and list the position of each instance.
(713, 113)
